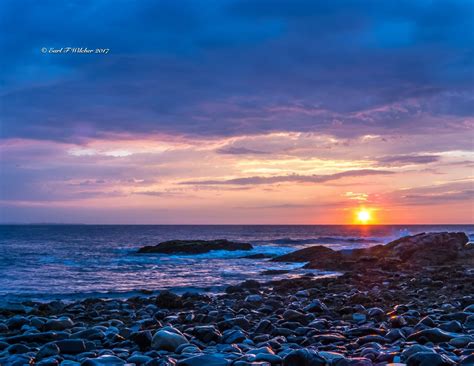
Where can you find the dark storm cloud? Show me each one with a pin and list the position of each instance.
(297, 178)
(223, 68)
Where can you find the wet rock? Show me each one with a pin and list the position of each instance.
(469, 323)
(428, 359)
(42, 337)
(316, 306)
(17, 348)
(233, 336)
(208, 360)
(104, 360)
(257, 256)
(467, 360)
(16, 360)
(303, 357)
(452, 326)
(169, 300)
(71, 346)
(59, 324)
(207, 333)
(359, 318)
(194, 246)
(142, 339)
(434, 335)
(264, 326)
(49, 349)
(461, 341)
(318, 255)
(254, 298)
(139, 359)
(50, 361)
(90, 334)
(167, 340)
(430, 248)
(417, 348)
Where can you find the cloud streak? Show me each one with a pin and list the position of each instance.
(296, 178)
(401, 160)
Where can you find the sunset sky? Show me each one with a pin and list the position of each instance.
(237, 111)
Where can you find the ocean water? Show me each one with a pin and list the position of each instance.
(45, 262)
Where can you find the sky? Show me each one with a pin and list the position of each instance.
(237, 111)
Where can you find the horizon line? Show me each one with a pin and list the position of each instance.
(230, 224)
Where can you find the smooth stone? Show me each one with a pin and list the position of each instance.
(17, 349)
(16, 322)
(142, 339)
(264, 326)
(207, 333)
(71, 346)
(62, 323)
(376, 313)
(169, 300)
(167, 340)
(50, 361)
(431, 335)
(467, 360)
(3, 345)
(417, 348)
(256, 351)
(293, 315)
(331, 357)
(469, 309)
(451, 326)
(90, 334)
(204, 360)
(359, 318)
(233, 336)
(428, 359)
(316, 306)
(302, 293)
(303, 357)
(461, 341)
(103, 360)
(139, 359)
(42, 338)
(273, 359)
(469, 322)
(49, 349)
(254, 298)
(16, 360)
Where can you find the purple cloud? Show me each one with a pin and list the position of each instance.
(257, 180)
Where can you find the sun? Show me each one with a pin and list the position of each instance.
(364, 216)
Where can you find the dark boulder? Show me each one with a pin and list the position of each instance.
(428, 248)
(169, 300)
(434, 335)
(318, 255)
(425, 249)
(303, 357)
(194, 246)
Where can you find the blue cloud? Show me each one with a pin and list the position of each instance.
(219, 68)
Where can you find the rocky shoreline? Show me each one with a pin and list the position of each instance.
(376, 314)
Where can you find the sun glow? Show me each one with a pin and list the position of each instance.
(364, 216)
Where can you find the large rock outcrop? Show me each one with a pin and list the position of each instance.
(320, 256)
(194, 246)
(425, 249)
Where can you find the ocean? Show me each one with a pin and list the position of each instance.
(46, 262)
